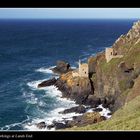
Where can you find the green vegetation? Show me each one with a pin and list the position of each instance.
(122, 85)
(128, 116)
(133, 55)
(112, 65)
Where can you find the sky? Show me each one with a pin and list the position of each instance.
(68, 13)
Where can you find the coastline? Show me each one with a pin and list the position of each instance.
(58, 123)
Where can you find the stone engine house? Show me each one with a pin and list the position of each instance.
(109, 54)
(82, 71)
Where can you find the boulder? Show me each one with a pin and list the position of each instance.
(97, 109)
(77, 109)
(86, 119)
(41, 125)
(47, 83)
(61, 67)
(93, 101)
(109, 113)
(50, 126)
(59, 125)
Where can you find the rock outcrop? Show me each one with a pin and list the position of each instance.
(76, 88)
(131, 38)
(86, 119)
(113, 80)
(61, 67)
(111, 84)
(41, 125)
(47, 83)
(82, 120)
(77, 109)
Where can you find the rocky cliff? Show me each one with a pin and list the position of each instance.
(114, 80)
(114, 85)
(108, 83)
(76, 88)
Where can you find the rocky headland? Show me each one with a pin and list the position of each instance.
(112, 84)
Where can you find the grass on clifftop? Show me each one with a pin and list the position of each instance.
(110, 67)
(126, 118)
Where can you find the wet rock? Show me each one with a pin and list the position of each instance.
(103, 118)
(108, 102)
(61, 67)
(47, 83)
(86, 119)
(93, 101)
(77, 109)
(50, 126)
(41, 125)
(109, 114)
(97, 109)
(59, 125)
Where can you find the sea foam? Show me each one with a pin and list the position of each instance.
(45, 70)
(34, 84)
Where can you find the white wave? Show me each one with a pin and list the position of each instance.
(84, 59)
(73, 67)
(34, 84)
(31, 126)
(52, 91)
(45, 70)
(90, 110)
(32, 99)
(104, 112)
(54, 115)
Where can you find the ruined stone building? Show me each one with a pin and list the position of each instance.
(110, 53)
(82, 71)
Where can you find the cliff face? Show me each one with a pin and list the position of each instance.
(76, 88)
(113, 83)
(114, 80)
(131, 38)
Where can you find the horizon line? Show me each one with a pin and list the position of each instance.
(68, 18)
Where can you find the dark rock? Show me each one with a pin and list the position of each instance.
(86, 119)
(77, 109)
(59, 125)
(93, 101)
(122, 65)
(97, 109)
(41, 125)
(109, 113)
(61, 67)
(103, 118)
(50, 126)
(130, 83)
(80, 99)
(108, 102)
(125, 68)
(78, 94)
(47, 83)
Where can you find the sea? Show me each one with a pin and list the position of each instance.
(29, 48)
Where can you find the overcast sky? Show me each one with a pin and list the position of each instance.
(45, 13)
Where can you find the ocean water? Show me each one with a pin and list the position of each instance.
(28, 48)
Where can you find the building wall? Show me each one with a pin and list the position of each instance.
(108, 54)
(83, 70)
